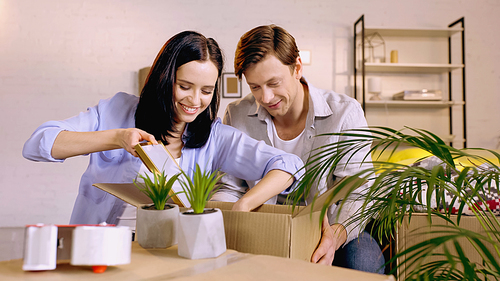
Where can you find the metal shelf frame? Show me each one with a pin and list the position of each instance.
(457, 27)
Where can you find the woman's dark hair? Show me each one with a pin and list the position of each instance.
(155, 112)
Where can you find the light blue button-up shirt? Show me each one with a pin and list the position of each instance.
(227, 149)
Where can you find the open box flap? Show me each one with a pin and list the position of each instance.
(127, 192)
(320, 200)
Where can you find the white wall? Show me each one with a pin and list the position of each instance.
(58, 57)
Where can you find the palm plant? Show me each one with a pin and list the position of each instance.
(199, 190)
(158, 188)
(396, 191)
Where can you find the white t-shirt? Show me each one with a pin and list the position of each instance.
(294, 146)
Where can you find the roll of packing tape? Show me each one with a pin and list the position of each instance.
(40, 248)
(101, 245)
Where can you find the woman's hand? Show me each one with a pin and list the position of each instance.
(129, 138)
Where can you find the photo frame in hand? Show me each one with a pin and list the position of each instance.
(231, 85)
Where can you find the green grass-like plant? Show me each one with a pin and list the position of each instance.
(158, 188)
(200, 189)
(395, 193)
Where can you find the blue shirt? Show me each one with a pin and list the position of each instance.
(227, 149)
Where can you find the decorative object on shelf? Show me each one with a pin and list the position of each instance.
(394, 56)
(231, 85)
(375, 41)
(201, 230)
(375, 87)
(420, 95)
(156, 224)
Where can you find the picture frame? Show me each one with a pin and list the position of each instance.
(231, 85)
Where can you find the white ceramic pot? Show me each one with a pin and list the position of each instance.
(101, 245)
(157, 228)
(201, 235)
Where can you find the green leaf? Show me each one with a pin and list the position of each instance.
(200, 189)
(395, 192)
(158, 188)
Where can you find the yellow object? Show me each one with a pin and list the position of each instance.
(411, 155)
(394, 56)
(405, 156)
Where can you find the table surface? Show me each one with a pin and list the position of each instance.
(165, 264)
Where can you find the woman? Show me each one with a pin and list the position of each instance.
(178, 106)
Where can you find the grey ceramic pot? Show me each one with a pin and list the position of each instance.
(157, 228)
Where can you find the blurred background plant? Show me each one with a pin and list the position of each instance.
(442, 182)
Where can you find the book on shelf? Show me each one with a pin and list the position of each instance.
(419, 95)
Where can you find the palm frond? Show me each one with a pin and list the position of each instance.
(396, 191)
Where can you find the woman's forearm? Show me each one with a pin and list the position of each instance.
(69, 144)
(273, 183)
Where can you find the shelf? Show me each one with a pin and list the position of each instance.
(412, 67)
(428, 65)
(413, 32)
(399, 103)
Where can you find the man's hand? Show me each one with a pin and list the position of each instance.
(332, 237)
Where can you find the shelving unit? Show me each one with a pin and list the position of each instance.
(411, 67)
(362, 67)
(441, 104)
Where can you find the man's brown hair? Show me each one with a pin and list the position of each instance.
(265, 40)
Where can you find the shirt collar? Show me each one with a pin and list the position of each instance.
(317, 102)
(260, 111)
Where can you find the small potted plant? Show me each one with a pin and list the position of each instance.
(201, 230)
(156, 225)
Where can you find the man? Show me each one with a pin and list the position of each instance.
(287, 112)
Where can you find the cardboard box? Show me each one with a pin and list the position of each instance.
(269, 230)
(415, 232)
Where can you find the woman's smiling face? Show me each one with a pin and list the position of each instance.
(193, 90)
